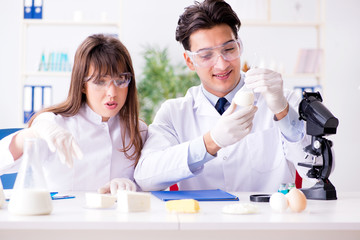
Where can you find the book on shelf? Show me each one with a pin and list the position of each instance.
(309, 61)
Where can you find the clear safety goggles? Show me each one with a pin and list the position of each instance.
(208, 57)
(103, 82)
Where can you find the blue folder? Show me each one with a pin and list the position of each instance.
(199, 195)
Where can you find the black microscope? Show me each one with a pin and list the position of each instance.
(319, 123)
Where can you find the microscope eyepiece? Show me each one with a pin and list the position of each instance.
(320, 121)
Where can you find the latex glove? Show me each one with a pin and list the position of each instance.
(270, 85)
(233, 126)
(58, 139)
(118, 184)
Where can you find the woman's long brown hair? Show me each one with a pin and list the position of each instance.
(107, 56)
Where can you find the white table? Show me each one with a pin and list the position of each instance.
(337, 219)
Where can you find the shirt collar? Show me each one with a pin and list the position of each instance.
(213, 99)
(94, 117)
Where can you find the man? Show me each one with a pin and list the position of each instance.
(192, 143)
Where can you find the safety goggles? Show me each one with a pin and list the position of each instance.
(103, 82)
(208, 57)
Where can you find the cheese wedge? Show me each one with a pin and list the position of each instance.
(182, 206)
(128, 201)
(97, 200)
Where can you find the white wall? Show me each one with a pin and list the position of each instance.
(147, 22)
(342, 92)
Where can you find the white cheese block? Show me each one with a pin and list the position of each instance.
(97, 200)
(244, 98)
(128, 201)
(240, 208)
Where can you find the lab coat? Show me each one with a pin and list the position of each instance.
(100, 143)
(259, 162)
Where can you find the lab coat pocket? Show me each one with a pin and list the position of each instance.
(265, 150)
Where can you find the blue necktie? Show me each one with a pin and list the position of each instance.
(220, 105)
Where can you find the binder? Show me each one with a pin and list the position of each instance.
(36, 97)
(199, 195)
(28, 7)
(37, 9)
(28, 102)
(47, 96)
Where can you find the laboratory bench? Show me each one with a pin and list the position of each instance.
(70, 219)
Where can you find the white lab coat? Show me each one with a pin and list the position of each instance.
(100, 143)
(260, 162)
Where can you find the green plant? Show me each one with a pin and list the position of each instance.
(160, 81)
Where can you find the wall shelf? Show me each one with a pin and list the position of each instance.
(47, 74)
(255, 23)
(28, 22)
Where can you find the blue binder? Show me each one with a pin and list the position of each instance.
(28, 7)
(199, 195)
(37, 9)
(35, 98)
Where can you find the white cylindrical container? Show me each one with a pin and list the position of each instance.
(30, 195)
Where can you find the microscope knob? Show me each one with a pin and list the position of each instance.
(313, 173)
(317, 144)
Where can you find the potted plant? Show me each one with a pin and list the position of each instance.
(160, 81)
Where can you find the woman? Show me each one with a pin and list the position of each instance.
(97, 124)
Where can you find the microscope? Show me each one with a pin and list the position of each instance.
(319, 123)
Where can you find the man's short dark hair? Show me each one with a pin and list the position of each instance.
(205, 15)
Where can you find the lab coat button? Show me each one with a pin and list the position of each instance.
(225, 158)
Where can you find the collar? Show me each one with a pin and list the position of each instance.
(213, 99)
(94, 117)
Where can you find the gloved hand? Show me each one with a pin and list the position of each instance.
(233, 126)
(270, 85)
(58, 139)
(118, 184)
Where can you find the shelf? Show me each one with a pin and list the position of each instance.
(264, 23)
(69, 23)
(47, 74)
(302, 75)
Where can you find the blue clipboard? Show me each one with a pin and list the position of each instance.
(199, 195)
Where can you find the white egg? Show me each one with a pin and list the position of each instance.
(244, 98)
(278, 202)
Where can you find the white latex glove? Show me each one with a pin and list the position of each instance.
(270, 85)
(118, 184)
(58, 139)
(233, 126)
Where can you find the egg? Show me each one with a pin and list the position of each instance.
(297, 200)
(244, 98)
(278, 202)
